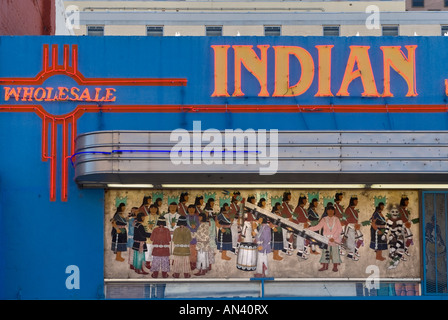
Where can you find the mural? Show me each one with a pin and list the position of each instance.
(216, 234)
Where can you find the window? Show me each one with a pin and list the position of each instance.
(418, 3)
(434, 226)
(154, 31)
(390, 31)
(272, 30)
(95, 30)
(213, 31)
(331, 31)
(446, 3)
(444, 30)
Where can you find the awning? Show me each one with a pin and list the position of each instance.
(294, 157)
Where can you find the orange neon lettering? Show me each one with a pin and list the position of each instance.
(74, 92)
(244, 54)
(220, 71)
(324, 72)
(12, 92)
(282, 85)
(85, 95)
(109, 95)
(27, 94)
(359, 55)
(97, 95)
(43, 94)
(405, 67)
(49, 91)
(62, 96)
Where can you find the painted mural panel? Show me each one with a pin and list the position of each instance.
(215, 234)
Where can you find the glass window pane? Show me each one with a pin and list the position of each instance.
(95, 30)
(444, 30)
(272, 30)
(213, 31)
(390, 31)
(418, 3)
(154, 31)
(435, 243)
(331, 31)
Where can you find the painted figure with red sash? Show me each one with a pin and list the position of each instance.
(287, 211)
(353, 238)
(161, 239)
(339, 213)
(300, 217)
(198, 203)
(144, 208)
(182, 208)
(236, 214)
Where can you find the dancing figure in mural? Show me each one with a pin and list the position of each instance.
(264, 247)
(182, 208)
(209, 211)
(171, 218)
(378, 232)
(249, 225)
(181, 239)
(277, 239)
(193, 225)
(353, 238)
(150, 222)
(236, 215)
(331, 228)
(313, 217)
(139, 244)
(405, 216)
(119, 232)
(203, 244)
(300, 217)
(146, 203)
(225, 231)
(161, 239)
(158, 203)
(287, 211)
(131, 224)
(395, 237)
(339, 212)
(198, 203)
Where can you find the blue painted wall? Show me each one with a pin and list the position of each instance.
(41, 238)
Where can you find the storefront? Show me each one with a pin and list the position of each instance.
(90, 125)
